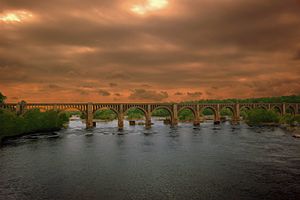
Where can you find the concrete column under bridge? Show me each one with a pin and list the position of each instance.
(197, 116)
(236, 114)
(148, 117)
(89, 116)
(121, 118)
(217, 119)
(174, 117)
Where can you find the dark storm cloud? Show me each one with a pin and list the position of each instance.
(297, 55)
(238, 47)
(148, 95)
(178, 93)
(104, 93)
(194, 94)
(113, 84)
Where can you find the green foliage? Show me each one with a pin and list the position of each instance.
(161, 113)
(71, 113)
(2, 98)
(64, 117)
(11, 124)
(32, 121)
(226, 112)
(135, 114)
(186, 115)
(286, 119)
(282, 99)
(108, 115)
(207, 111)
(289, 119)
(261, 116)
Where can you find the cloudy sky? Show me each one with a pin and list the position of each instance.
(148, 50)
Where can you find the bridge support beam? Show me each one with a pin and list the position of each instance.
(89, 116)
(148, 118)
(121, 118)
(21, 108)
(236, 114)
(174, 121)
(197, 116)
(283, 109)
(121, 121)
(217, 115)
(148, 121)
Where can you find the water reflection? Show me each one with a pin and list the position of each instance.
(206, 162)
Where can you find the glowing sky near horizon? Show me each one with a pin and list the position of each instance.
(148, 50)
(148, 6)
(15, 16)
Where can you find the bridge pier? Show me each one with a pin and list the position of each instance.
(148, 121)
(283, 109)
(121, 121)
(196, 123)
(217, 119)
(20, 108)
(174, 121)
(197, 116)
(89, 116)
(236, 115)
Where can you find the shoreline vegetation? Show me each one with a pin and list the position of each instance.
(36, 121)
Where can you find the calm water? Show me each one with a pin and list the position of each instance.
(161, 163)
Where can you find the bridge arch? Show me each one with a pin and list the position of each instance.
(211, 108)
(9, 107)
(145, 115)
(262, 107)
(40, 108)
(66, 109)
(170, 112)
(290, 110)
(103, 115)
(231, 109)
(244, 111)
(277, 109)
(188, 108)
(106, 108)
(163, 107)
(136, 107)
(243, 107)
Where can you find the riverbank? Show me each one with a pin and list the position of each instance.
(32, 122)
(33, 135)
(294, 130)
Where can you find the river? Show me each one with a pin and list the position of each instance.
(210, 162)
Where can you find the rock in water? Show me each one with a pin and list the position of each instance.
(89, 134)
(296, 135)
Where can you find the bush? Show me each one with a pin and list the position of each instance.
(186, 115)
(10, 124)
(289, 119)
(135, 114)
(32, 121)
(161, 113)
(105, 115)
(260, 116)
(226, 112)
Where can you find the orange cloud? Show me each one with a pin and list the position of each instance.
(101, 51)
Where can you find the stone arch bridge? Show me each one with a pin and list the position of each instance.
(147, 108)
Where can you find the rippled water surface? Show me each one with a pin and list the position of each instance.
(209, 162)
